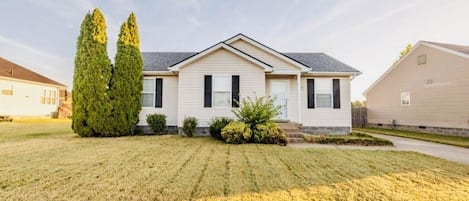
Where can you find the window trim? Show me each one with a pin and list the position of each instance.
(153, 92)
(402, 94)
(316, 92)
(230, 90)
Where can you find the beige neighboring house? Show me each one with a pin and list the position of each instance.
(427, 91)
(312, 88)
(24, 93)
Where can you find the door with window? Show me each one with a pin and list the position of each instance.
(279, 93)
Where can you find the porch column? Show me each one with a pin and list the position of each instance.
(298, 86)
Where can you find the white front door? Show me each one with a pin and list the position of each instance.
(279, 93)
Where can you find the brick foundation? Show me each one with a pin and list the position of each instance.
(199, 131)
(425, 129)
(146, 130)
(325, 130)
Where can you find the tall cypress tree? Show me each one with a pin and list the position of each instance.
(79, 102)
(126, 83)
(91, 79)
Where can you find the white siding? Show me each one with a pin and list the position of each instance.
(278, 64)
(26, 99)
(170, 102)
(328, 116)
(220, 62)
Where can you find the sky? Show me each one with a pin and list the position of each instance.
(365, 34)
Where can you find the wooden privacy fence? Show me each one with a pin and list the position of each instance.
(359, 118)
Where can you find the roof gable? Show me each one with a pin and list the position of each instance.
(267, 49)
(175, 67)
(11, 70)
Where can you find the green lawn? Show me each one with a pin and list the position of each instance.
(444, 139)
(40, 165)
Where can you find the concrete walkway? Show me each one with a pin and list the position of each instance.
(448, 152)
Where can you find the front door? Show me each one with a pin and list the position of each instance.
(279, 93)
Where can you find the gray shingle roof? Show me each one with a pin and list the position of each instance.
(160, 61)
(318, 62)
(459, 48)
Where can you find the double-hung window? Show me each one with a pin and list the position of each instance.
(323, 88)
(221, 91)
(148, 93)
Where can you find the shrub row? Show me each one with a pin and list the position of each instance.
(351, 139)
(157, 123)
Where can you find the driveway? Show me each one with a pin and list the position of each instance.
(448, 152)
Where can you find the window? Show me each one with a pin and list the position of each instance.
(49, 97)
(405, 98)
(7, 89)
(148, 93)
(54, 97)
(221, 91)
(422, 59)
(323, 88)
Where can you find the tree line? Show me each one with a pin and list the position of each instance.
(106, 96)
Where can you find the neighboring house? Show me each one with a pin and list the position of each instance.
(24, 93)
(427, 90)
(313, 88)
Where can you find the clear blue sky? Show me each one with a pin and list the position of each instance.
(366, 34)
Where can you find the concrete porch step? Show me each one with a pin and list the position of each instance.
(293, 131)
(296, 140)
(295, 135)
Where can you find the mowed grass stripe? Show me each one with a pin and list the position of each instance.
(212, 183)
(239, 178)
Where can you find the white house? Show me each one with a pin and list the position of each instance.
(24, 93)
(313, 88)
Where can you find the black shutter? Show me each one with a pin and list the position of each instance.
(336, 92)
(159, 93)
(310, 88)
(207, 91)
(235, 91)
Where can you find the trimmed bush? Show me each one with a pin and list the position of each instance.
(258, 111)
(269, 133)
(157, 122)
(351, 139)
(189, 126)
(236, 133)
(217, 124)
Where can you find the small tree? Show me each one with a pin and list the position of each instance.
(257, 111)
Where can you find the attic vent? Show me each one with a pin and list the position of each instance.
(422, 59)
(10, 72)
(422, 127)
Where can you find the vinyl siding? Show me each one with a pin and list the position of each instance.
(442, 103)
(220, 62)
(327, 116)
(274, 61)
(26, 99)
(170, 102)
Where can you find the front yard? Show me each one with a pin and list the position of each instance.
(46, 161)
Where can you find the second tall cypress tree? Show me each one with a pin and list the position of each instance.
(126, 83)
